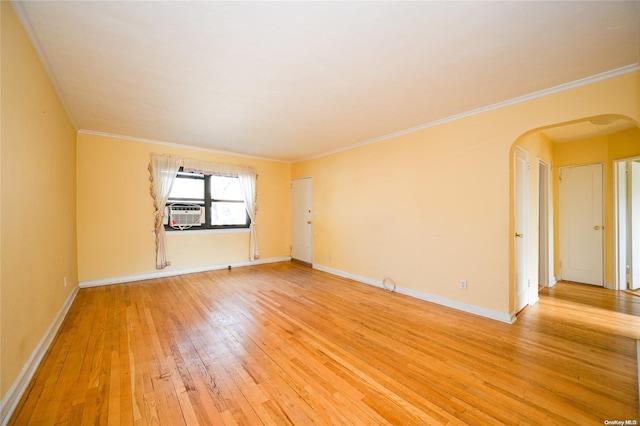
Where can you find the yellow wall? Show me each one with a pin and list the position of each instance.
(115, 212)
(427, 209)
(390, 209)
(38, 201)
(2, 387)
(433, 207)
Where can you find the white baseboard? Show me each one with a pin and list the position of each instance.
(13, 395)
(533, 299)
(174, 272)
(450, 303)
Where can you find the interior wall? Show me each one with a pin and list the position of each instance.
(3, 392)
(38, 212)
(434, 206)
(427, 208)
(390, 209)
(115, 212)
(602, 149)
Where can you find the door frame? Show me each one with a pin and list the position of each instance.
(546, 277)
(561, 221)
(621, 212)
(620, 215)
(309, 219)
(521, 258)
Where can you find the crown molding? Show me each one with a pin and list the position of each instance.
(178, 145)
(546, 92)
(18, 6)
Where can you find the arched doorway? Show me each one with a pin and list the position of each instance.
(606, 140)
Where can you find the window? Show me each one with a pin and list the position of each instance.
(219, 199)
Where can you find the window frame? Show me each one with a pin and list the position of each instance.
(208, 201)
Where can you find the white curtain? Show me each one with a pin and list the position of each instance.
(208, 168)
(248, 178)
(163, 170)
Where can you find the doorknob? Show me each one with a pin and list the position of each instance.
(597, 227)
(308, 222)
(518, 235)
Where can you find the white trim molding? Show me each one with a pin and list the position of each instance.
(19, 386)
(178, 145)
(174, 272)
(545, 92)
(428, 297)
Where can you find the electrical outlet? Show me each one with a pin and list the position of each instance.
(463, 284)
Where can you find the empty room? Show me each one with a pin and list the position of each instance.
(404, 213)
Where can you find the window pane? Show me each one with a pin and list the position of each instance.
(228, 214)
(225, 188)
(187, 188)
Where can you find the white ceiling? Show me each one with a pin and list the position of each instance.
(291, 80)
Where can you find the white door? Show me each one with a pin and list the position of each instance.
(634, 224)
(581, 224)
(521, 224)
(301, 221)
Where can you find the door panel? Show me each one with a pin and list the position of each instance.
(301, 220)
(581, 224)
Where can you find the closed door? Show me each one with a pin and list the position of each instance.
(581, 224)
(521, 224)
(634, 225)
(301, 221)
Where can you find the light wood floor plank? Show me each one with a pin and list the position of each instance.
(285, 344)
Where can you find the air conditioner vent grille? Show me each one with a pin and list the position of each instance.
(185, 216)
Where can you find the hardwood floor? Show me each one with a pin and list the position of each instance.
(285, 344)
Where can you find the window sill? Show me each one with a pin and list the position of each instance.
(208, 231)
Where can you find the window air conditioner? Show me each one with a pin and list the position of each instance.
(184, 216)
